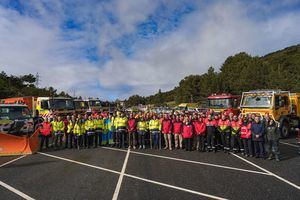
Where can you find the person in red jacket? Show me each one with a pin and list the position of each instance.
(45, 131)
(246, 138)
(200, 132)
(166, 131)
(187, 134)
(177, 131)
(194, 119)
(132, 131)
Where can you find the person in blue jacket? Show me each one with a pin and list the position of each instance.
(258, 131)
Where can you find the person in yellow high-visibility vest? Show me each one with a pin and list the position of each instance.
(99, 126)
(141, 130)
(90, 131)
(121, 129)
(58, 130)
(78, 131)
(69, 135)
(155, 128)
(53, 123)
(85, 137)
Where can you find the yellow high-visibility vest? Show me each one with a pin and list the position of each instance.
(154, 124)
(142, 126)
(89, 124)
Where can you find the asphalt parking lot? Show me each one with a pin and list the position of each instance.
(109, 173)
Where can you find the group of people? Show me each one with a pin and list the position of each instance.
(204, 132)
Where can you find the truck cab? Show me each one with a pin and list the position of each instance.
(49, 106)
(94, 105)
(282, 106)
(16, 119)
(227, 103)
(81, 106)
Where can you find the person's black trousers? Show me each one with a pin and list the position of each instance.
(236, 143)
(247, 146)
(85, 140)
(69, 140)
(188, 144)
(201, 142)
(259, 149)
(210, 138)
(44, 139)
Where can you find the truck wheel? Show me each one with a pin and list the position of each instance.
(285, 129)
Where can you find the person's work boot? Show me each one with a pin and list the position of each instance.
(270, 157)
(277, 158)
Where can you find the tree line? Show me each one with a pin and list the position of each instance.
(240, 72)
(25, 85)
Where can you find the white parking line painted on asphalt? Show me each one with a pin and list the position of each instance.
(175, 187)
(118, 187)
(80, 163)
(135, 177)
(194, 162)
(11, 161)
(289, 144)
(267, 171)
(14, 190)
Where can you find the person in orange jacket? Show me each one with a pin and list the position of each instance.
(45, 131)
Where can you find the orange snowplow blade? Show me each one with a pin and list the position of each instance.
(18, 145)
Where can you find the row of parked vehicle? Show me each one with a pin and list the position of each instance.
(20, 115)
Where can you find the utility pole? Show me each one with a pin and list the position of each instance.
(37, 80)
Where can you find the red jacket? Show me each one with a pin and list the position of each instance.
(246, 131)
(46, 128)
(187, 131)
(211, 123)
(236, 124)
(131, 125)
(166, 126)
(177, 127)
(200, 127)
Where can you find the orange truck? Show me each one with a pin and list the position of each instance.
(30, 101)
(17, 136)
(45, 106)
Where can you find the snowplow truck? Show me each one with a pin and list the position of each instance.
(282, 106)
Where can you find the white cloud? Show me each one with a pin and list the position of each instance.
(205, 37)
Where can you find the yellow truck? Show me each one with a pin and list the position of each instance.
(49, 106)
(282, 106)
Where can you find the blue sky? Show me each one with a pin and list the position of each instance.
(114, 49)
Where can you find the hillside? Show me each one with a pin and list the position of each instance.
(238, 73)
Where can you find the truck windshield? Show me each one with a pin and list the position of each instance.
(81, 104)
(219, 103)
(13, 113)
(257, 101)
(95, 103)
(62, 104)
